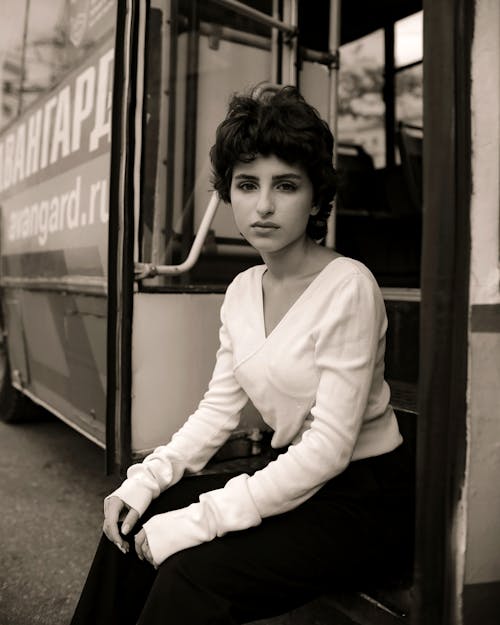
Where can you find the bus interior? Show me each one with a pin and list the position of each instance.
(214, 52)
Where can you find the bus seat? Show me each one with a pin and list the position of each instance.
(356, 179)
(396, 192)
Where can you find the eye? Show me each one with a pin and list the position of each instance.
(287, 186)
(247, 186)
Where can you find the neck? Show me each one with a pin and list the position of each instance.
(291, 261)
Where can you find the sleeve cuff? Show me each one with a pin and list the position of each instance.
(220, 511)
(134, 494)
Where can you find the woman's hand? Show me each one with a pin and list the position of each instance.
(113, 507)
(142, 548)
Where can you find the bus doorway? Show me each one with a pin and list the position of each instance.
(195, 56)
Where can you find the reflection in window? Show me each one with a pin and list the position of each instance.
(61, 34)
(361, 104)
(409, 96)
(40, 42)
(11, 45)
(45, 57)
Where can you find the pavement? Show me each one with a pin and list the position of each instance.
(52, 484)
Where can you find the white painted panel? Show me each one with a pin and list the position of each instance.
(175, 339)
(483, 497)
(485, 266)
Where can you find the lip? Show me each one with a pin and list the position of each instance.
(265, 225)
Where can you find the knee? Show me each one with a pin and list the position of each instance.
(197, 568)
(180, 569)
(185, 589)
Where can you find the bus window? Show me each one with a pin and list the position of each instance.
(59, 36)
(409, 101)
(46, 54)
(408, 43)
(379, 200)
(408, 56)
(212, 53)
(40, 43)
(408, 82)
(360, 100)
(11, 46)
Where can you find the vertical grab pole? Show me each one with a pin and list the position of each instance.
(333, 80)
(274, 46)
(289, 49)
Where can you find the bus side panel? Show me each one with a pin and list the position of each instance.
(57, 349)
(54, 197)
(175, 340)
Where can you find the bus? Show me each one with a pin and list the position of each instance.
(115, 254)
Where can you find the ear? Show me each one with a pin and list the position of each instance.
(314, 210)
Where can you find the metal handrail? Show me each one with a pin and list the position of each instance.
(149, 270)
(258, 16)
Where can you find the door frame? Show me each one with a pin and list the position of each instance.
(445, 266)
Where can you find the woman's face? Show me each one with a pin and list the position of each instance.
(272, 202)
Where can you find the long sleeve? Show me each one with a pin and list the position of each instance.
(347, 345)
(198, 439)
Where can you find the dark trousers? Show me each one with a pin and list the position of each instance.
(356, 531)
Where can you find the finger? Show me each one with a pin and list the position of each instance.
(111, 534)
(112, 508)
(138, 541)
(142, 548)
(129, 521)
(147, 553)
(110, 526)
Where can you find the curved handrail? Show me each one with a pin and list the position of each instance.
(150, 270)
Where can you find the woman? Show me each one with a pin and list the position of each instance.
(302, 336)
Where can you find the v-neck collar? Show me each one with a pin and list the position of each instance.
(294, 305)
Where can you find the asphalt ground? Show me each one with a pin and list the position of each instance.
(52, 484)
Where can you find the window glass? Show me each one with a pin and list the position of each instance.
(378, 218)
(12, 14)
(361, 104)
(409, 39)
(409, 95)
(45, 49)
(212, 54)
(60, 34)
(38, 48)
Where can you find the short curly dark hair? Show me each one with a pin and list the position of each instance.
(282, 123)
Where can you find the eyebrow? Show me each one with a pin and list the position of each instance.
(278, 177)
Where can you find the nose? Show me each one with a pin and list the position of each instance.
(265, 204)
